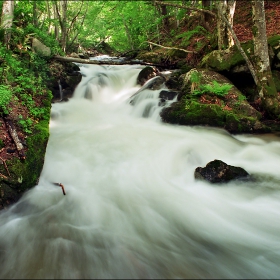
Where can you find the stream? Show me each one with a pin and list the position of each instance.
(132, 207)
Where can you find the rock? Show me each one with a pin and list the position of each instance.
(146, 74)
(213, 107)
(75, 55)
(83, 55)
(167, 95)
(40, 48)
(217, 171)
(153, 84)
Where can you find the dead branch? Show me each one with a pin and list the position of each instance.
(3, 176)
(62, 187)
(171, 48)
(14, 136)
(6, 167)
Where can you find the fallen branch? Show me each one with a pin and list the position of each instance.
(14, 135)
(6, 167)
(3, 176)
(171, 48)
(62, 187)
(108, 62)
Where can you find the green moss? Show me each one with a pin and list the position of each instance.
(274, 41)
(254, 30)
(226, 59)
(276, 78)
(25, 173)
(1, 144)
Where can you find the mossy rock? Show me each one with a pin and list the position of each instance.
(230, 111)
(231, 59)
(24, 174)
(225, 60)
(153, 57)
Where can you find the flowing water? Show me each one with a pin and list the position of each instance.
(132, 207)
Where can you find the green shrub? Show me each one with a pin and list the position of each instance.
(5, 98)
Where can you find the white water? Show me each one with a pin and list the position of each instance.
(132, 207)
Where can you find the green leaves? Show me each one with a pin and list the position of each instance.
(214, 88)
(5, 98)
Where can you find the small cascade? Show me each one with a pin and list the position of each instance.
(60, 90)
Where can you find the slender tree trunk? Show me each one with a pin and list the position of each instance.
(56, 18)
(221, 26)
(63, 25)
(49, 17)
(7, 20)
(266, 86)
(35, 14)
(206, 18)
(230, 14)
(128, 34)
(226, 9)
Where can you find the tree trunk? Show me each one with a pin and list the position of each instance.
(266, 86)
(56, 18)
(230, 13)
(226, 8)
(35, 14)
(7, 20)
(221, 26)
(206, 18)
(63, 25)
(130, 41)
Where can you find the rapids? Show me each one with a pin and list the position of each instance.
(132, 207)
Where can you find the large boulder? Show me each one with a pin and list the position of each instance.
(217, 171)
(40, 48)
(231, 60)
(206, 101)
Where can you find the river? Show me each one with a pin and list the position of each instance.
(132, 207)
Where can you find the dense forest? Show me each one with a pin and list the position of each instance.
(173, 34)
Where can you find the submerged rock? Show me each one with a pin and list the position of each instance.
(217, 171)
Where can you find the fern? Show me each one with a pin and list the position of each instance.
(214, 88)
(186, 36)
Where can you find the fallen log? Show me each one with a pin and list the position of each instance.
(14, 136)
(107, 61)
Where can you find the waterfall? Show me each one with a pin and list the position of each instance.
(60, 90)
(132, 207)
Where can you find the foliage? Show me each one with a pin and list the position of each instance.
(26, 124)
(5, 98)
(195, 77)
(214, 88)
(186, 36)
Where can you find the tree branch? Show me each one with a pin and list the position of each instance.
(170, 48)
(14, 135)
